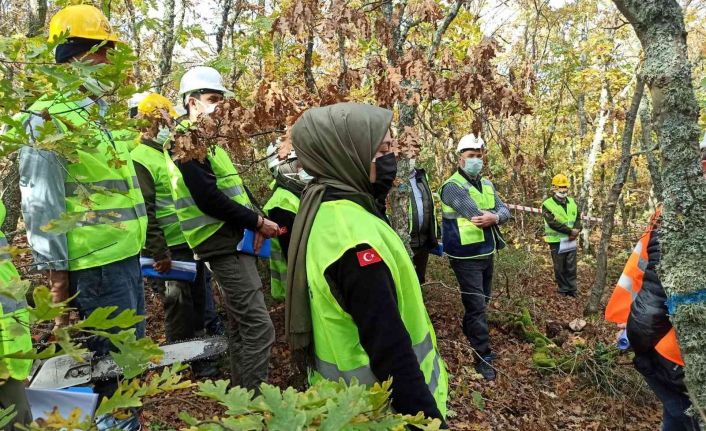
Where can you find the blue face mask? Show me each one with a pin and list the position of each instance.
(473, 166)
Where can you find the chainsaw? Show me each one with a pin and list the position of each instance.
(65, 371)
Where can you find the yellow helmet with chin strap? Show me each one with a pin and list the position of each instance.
(560, 180)
(84, 21)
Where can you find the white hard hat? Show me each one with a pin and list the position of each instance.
(136, 99)
(470, 142)
(201, 78)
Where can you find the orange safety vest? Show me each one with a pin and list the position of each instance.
(630, 283)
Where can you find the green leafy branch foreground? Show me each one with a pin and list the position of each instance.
(324, 406)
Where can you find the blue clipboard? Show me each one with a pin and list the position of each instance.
(181, 271)
(246, 245)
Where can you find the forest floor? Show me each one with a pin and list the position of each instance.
(591, 395)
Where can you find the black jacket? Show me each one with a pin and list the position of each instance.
(424, 236)
(648, 321)
(201, 182)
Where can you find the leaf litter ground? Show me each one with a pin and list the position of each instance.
(522, 397)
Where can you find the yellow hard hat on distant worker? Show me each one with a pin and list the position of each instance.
(84, 21)
(560, 180)
(152, 103)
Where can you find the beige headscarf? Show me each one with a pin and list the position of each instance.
(335, 144)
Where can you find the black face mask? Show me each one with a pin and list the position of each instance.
(386, 172)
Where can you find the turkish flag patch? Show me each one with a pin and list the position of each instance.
(368, 257)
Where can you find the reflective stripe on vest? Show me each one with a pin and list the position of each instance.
(153, 160)
(337, 346)
(630, 284)
(195, 225)
(566, 217)
(287, 201)
(102, 193)
(14, 317)
(462, 239)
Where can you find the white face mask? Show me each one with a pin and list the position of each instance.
(206, 108)
(561, 195)
(304, 176)
(163, 135)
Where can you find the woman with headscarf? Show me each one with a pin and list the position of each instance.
(352, 290)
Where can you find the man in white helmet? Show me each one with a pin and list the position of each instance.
(214, 209)
(282, 207)
(472, 211)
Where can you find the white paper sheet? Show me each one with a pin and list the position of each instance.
(566, 245)
(43, 401)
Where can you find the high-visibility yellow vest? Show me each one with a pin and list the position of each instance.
(566, 216)
(196, 226)
(14, 317)
(288, 201)
(153, 160)
(462, 239)
(102, 192)
(340, 226)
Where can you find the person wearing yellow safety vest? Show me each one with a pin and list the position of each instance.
(562, 221)
(184, 302)
(353, 298)
(471, 213)
(14, 338)
(638, 306)
(214, 209)
(282, 207)
(97, 258)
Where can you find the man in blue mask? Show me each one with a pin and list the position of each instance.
(472, 211)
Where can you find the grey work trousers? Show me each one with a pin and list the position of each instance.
(564, 269)
(184, 304)
(12, 392)
(250, 330)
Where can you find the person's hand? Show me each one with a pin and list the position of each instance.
(574, 234)
(163, 265)
(268, 228)
(257, 242)
(621, 328)
(59, 287)
(486, 220)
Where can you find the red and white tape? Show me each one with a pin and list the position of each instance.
(539, 211)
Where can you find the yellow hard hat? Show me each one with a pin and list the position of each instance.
(560, 180)
(84, 21)
(154, 102)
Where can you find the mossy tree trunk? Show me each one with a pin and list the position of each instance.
(659, 24)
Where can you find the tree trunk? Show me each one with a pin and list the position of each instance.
(136, 42)
(659, 24)
(223, 26)
(308, 64)
(587, 189)
(400, 195)
(609, 213)
(165, 60)
(37, 16)
(646, 146)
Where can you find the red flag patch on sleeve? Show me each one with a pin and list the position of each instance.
(368, 257)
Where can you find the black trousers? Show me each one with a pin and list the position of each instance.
(475, 277)
(564, 269)
(666, 379)
(420, 257)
